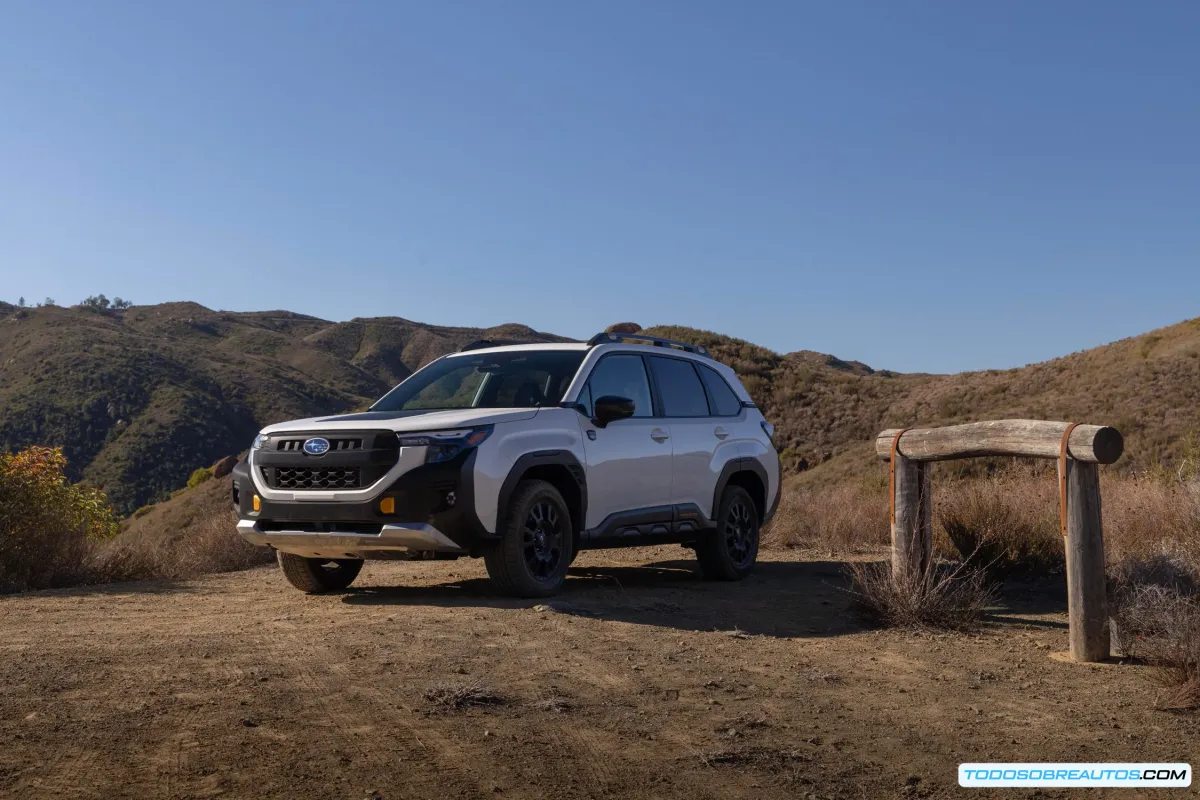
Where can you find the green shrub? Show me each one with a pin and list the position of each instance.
(48, 526)
(199, 476)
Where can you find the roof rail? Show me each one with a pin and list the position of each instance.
(479, 344)
(642, 338)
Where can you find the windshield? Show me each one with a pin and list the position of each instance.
(516, 379)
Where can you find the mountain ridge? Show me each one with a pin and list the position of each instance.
(141, 397)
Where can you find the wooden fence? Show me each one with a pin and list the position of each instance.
(1079, 450)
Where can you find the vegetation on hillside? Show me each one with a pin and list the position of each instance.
(54, 533)
(48, 526)
(137, 399)
(827, 411)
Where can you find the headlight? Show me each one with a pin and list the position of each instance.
(259, 441)
(445, 445)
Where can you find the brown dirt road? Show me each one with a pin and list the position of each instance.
(660, 685)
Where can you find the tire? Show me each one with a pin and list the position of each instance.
(316, 575)
(536, 544)
(729, 552)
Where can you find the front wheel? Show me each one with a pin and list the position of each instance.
(729, 552)
(316, 575)
(536, 545)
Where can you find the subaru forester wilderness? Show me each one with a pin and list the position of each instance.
(522, 454)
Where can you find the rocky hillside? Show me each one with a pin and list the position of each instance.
(140, 398)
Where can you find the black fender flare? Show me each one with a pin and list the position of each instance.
(242, 488)
(540, 458)
(731, 468)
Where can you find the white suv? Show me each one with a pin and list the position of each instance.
(525, 455)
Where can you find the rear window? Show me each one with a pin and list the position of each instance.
(680, 387)
(722, 399)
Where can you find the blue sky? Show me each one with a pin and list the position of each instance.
(917, 185)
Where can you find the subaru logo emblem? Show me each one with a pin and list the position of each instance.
(316, 447)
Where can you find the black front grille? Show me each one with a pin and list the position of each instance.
(312, 477)
(335, 445)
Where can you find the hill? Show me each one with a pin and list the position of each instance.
(139, 398)
(827, 411)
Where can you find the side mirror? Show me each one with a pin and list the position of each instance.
(611, 408)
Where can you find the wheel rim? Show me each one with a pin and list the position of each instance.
(542, 540)
(740, 533)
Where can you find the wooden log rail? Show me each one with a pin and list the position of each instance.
(1079, 450)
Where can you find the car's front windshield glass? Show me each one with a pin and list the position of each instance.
(514, 379)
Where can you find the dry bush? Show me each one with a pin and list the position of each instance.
(1151, 517)
(1161, 626)
(1005, 524)
(48, 527)
(209, 546)
(844, 519)
(937, 598)
(459, 697)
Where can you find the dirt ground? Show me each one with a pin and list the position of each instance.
(642, 681)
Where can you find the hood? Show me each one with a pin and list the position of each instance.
(406, 420)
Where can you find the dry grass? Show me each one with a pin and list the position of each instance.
(456, 698)
(933, 599)
(838, 520)
(1005, 524)
(1161, 626)
(209, 545)
(1009, 519)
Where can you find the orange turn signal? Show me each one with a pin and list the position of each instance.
(387, 505)
(257, 503)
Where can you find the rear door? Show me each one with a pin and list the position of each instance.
(628, 461)
(701, 442)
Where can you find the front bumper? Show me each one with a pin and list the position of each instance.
(394, 540)
(434, 513)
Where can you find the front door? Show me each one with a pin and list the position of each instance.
(628, 461)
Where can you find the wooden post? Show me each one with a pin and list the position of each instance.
(1087, 602)
(1079, 447)
(912, 530)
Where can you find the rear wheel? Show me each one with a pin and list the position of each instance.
(536, 544)
(729, 552)
(315, 575)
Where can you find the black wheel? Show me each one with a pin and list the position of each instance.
(315, 575)
(532, 557)
(728, 553)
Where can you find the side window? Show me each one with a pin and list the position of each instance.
(682, 394)
(724, 402)
(623, 376)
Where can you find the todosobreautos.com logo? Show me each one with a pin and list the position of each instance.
(1064, 775)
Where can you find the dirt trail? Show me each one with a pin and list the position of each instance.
(660, 685)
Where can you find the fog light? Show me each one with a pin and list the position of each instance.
(450, 499)
(257, 503)
(387, 505)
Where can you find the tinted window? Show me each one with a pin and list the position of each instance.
(512, 379)
(623, 376)
(724, 402)
(682, 394)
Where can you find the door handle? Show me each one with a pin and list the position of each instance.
(720, 432)
(658, 435)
